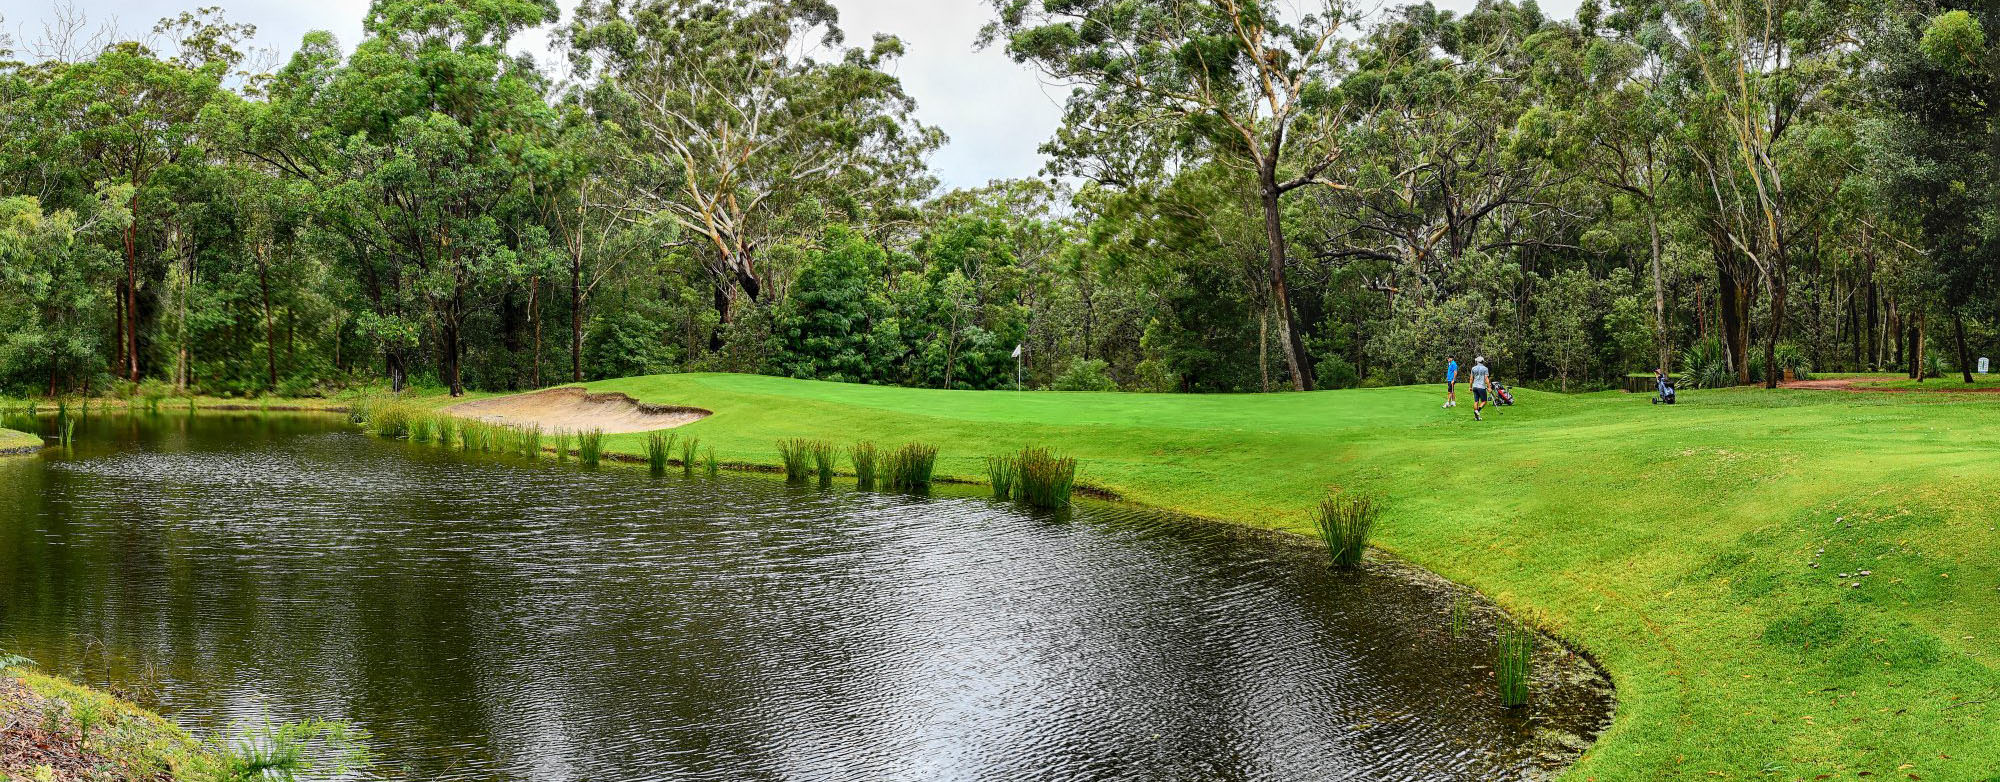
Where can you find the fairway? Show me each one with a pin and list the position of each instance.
(1694, 550)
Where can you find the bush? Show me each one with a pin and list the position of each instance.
(1705, 365)
(1085, 375)
(1935, 365)
(1045, 479)
(1337, 372)
(1790, 357)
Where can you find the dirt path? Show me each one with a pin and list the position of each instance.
(572, 409)
(1857, 385)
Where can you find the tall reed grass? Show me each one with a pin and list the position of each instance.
(531, 441)
(1513, 663)
(796, 454)
(447, 429)
(657, 447)
(590, 447)
(1344, 521)
(709, 463)
(1045, 479)
(1001, 471)
(824, 456)
(563, 439)
(687, 454)
(909, 466)
(864, 456)
(421, 428)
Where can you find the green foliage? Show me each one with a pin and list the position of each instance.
(709, 463)
(657, 447)
(1085, 375)
(909, 466)
(1045, 478)
(1000, 474)
(590, 447)
(864, 455)
(824, 455)
(1514, 663)
(1344, 522)
(1954, 40)
(688, 448)
(1706, 365)
(286, 752)
(1792, 358)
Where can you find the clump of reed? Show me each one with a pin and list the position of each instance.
(1344, 521)
(688, 447)
(66, 430)
(390, 420)
(563, 439)
(1045, 479)
(796, 454)
(824, 456)
(1513, 663)
(1001, 471)
(709, 463)
(909, 466)
(472, 436)
(590, 447)
(531, 441)
(447, 429)
(864, 456)
(1461, 615)
(421, 428)
(657, 447)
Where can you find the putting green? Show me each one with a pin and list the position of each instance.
(1676, 544)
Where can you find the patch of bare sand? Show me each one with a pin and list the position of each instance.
(573, 409)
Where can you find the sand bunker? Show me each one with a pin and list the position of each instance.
(573, 409)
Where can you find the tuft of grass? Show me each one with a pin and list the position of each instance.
(709, 463)
(1001, 471)
(421, 428)
(470, 434)
(909, 466)
(657, 447)
(563, 439)
(531, 441)
(824, 455)
(447, 429)
(864, 456)
(1513, 663)
(1461, 615)
(390, 420)
(1046, 479)
(1344, 521)
(590, 447)
(796, 454)
(687, 454)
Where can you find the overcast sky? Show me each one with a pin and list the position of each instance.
(996, 112)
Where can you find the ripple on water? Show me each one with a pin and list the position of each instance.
(501, 619)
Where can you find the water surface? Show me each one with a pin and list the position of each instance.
(505, 619)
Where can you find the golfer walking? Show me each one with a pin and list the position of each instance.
(1450, 381)
(1480, 377)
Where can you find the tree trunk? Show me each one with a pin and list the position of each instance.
(1734, 306)
(132, 295)
(1289, 339)
(576, 317)
(1916, 351)
(451, 360)
(1874, 355)
(1964, 356)
(270, 325)
(535, 318)
(1778, 299)
(1264, 349)
(1660, 337)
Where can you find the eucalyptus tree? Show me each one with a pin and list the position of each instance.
(746, 118)
(1939, 149)
(1159, 84)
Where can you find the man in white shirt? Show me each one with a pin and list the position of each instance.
(1480, 377)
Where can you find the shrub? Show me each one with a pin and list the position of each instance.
(1706, 365)
(590, 447)
(1792, 358)
(1000, 471)
(1513, 663)
(909, 466)
(864, 455)
(152, 391)
(1344, 522)
(1085, 375)
(1934, 364)
(1045, 478)
(1337, 372)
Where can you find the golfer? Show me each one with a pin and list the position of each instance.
(1450, 381)
(1480, 377)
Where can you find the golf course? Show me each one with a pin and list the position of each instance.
(1783, 584)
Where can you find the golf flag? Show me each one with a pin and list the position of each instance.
(1017, 351)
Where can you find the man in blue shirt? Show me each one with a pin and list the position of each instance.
(1450, 381)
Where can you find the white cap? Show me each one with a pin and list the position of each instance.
(1479, 360)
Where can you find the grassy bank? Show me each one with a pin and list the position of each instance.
(15, 442)
(1695, 549)
(58, 730)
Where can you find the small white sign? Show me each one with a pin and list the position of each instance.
(1983, 368)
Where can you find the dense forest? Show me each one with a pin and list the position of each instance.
(1242, 196)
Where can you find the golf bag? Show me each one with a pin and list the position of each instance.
(1502, 396)
(1666, 395)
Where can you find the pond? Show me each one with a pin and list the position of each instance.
(509, 619)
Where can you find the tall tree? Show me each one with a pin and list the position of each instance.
(1240, 80)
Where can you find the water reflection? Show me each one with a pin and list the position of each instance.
(505, 619)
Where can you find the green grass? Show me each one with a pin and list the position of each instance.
(1343, 522)
(1674, 544)
(11, 440)
(1513, 663)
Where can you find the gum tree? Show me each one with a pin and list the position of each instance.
(1244, 81)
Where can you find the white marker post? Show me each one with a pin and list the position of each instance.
(1983, 369)
(1017, 367)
